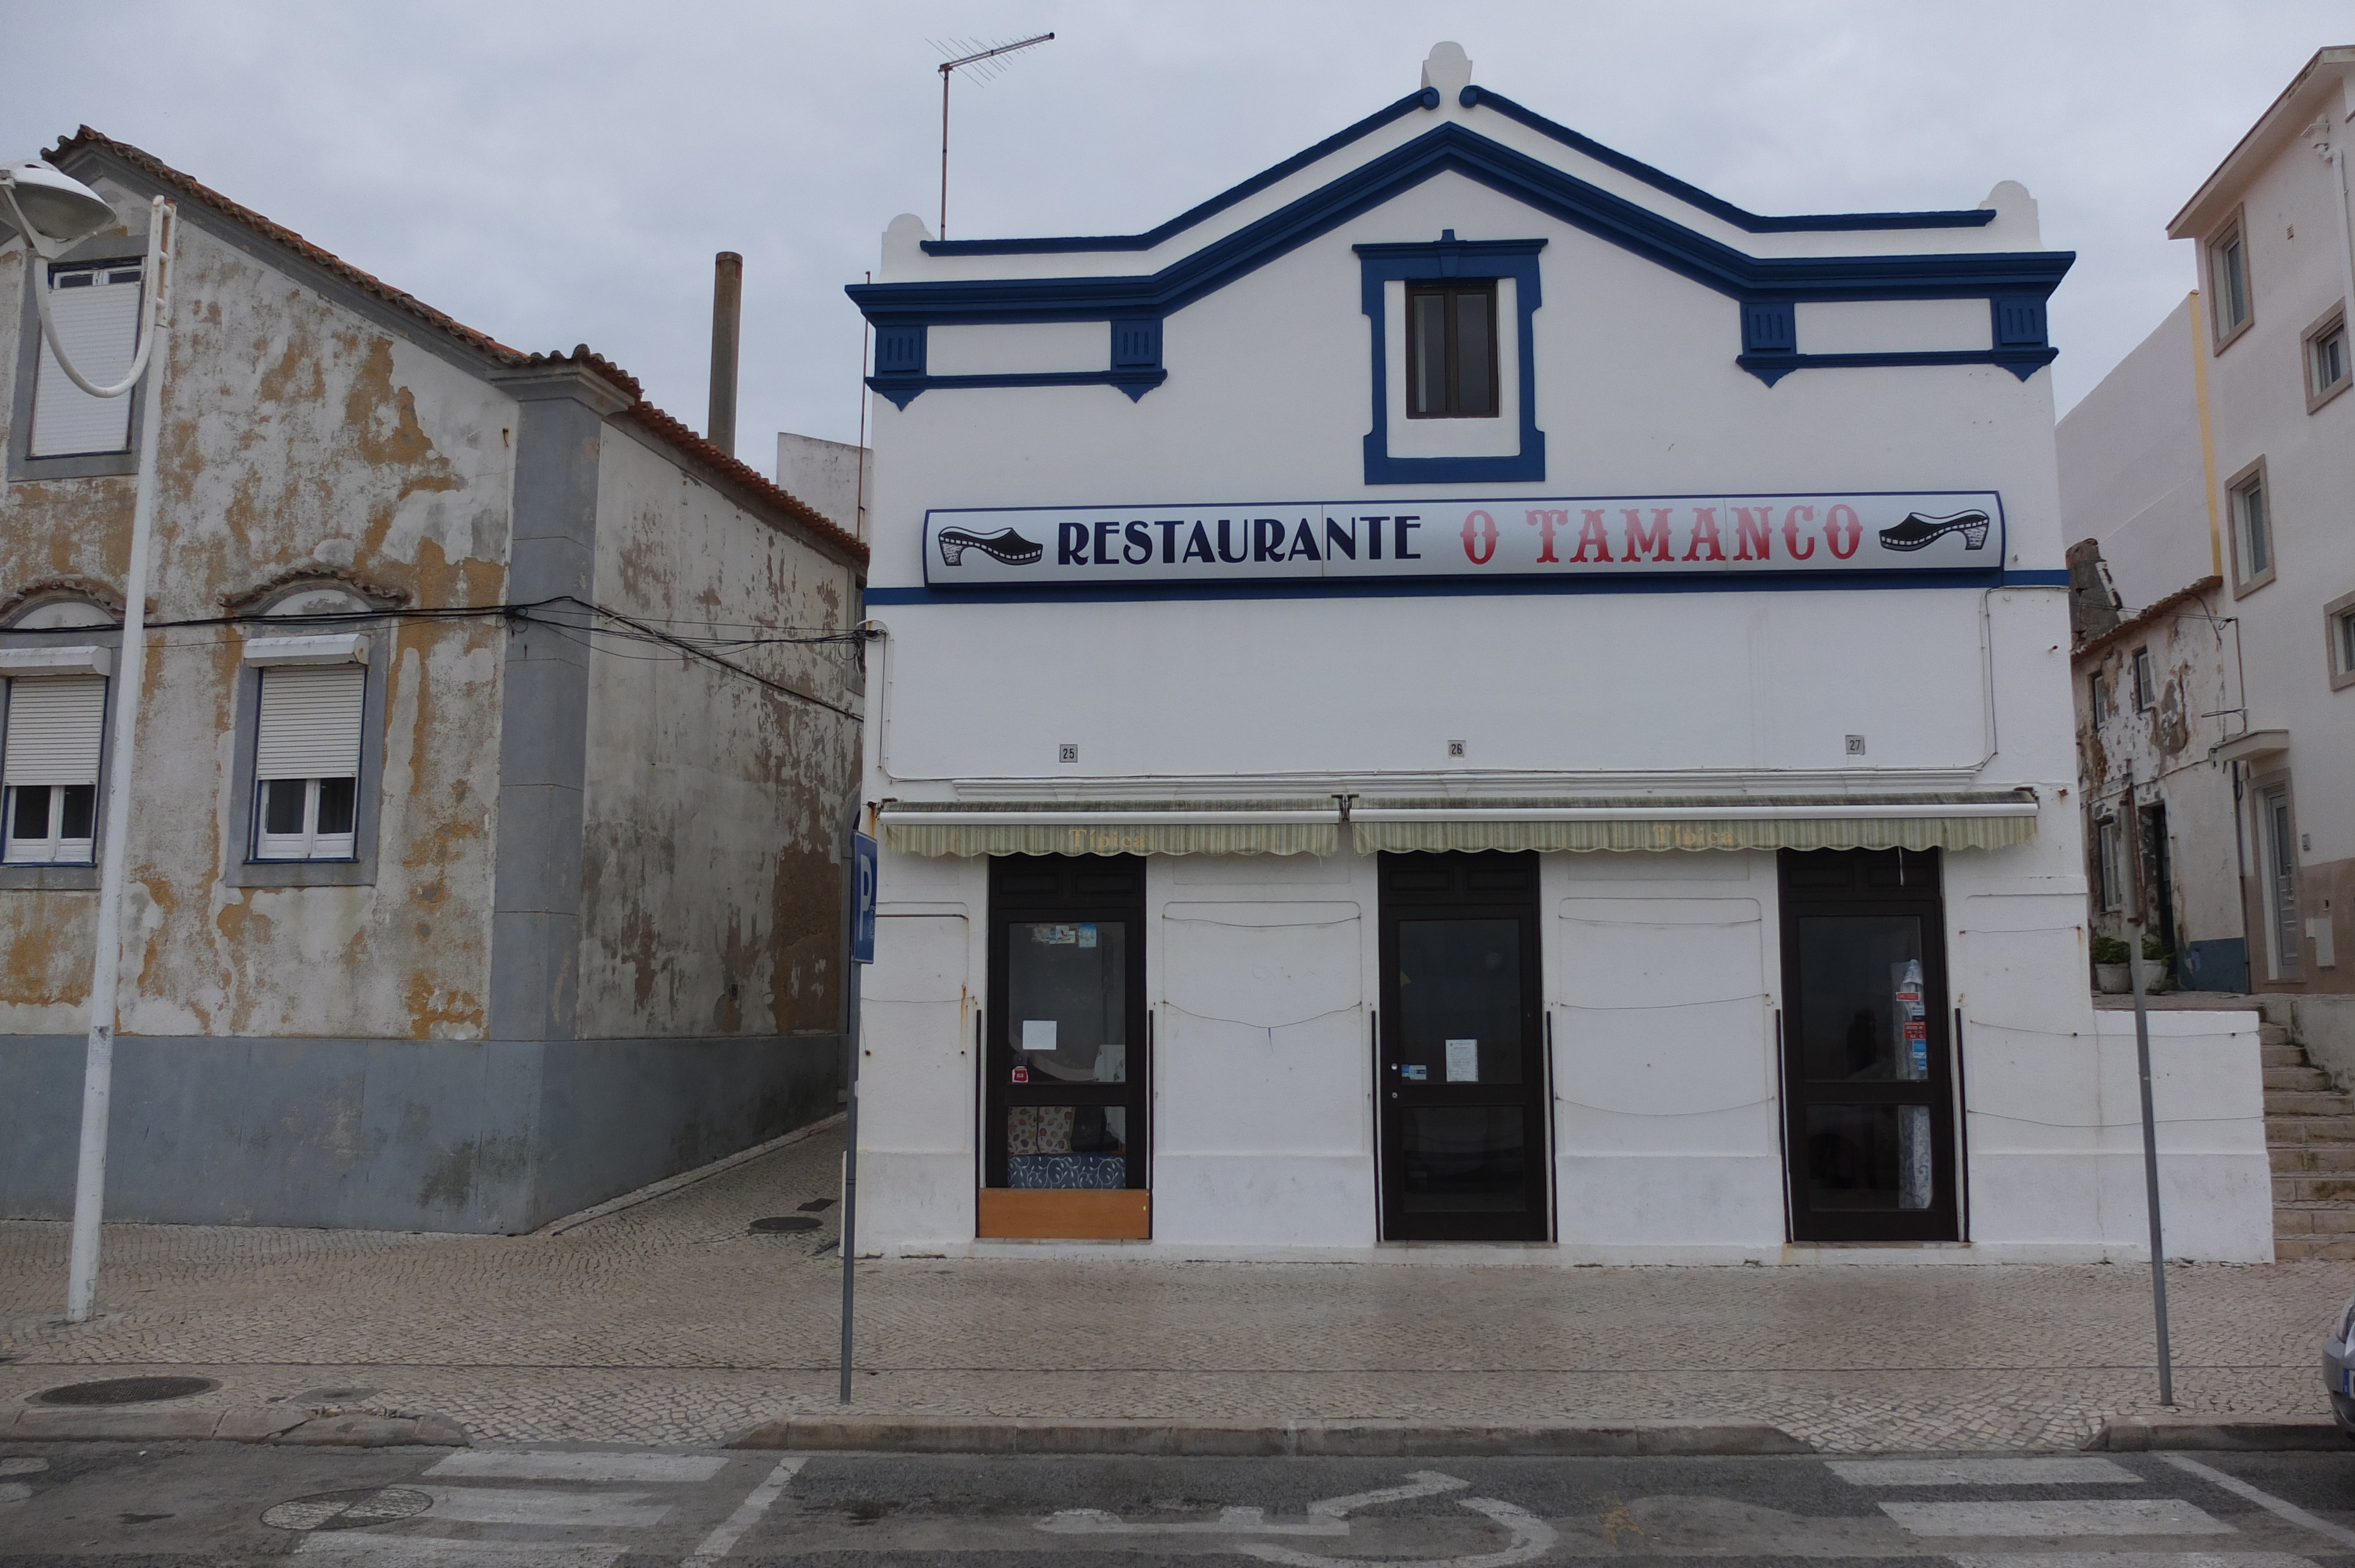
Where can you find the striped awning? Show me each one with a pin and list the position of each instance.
(1312, 825)
(1955, 822)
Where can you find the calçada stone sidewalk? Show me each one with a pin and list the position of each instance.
(670, 1322)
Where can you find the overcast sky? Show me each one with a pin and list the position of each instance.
(559, 173)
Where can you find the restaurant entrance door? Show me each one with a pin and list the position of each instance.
(1461, 1050)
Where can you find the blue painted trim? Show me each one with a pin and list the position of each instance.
(1452, 258)
(1428, 98)
(905, 389)
(1459, 588)
(1693, 195)
(1668, 184)
(1452, 148)
(1771, 367)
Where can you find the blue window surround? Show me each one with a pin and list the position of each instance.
(1452, 258)
(2015, 283)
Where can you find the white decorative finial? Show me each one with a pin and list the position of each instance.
(1448, 70)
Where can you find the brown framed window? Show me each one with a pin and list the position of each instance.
(2227, 281)
(2325, 351)
(1451, 351)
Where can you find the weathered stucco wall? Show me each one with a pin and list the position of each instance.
(2167, 747)
(299, 435)
(712, 865)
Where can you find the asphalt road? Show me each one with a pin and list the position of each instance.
(122, 1504)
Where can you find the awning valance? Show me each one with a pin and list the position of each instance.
(1953, 821)
(1311, 826)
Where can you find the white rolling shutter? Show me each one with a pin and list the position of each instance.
(53, 726)
(96, 313)
(310, 725)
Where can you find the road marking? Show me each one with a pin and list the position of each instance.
(2088, 1516)
(2129, 1560)
(1532, 1537)
(433, 1552)
(748, 1513)
(1230, 1522)
(2241, 1489)
(531, 1465)
(521, 1505)
(2064, 1472)
(12, 1493)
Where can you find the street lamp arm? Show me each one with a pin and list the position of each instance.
(161, 215)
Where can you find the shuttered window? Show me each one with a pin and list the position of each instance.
(306, 761)
(310, 722)
(48, 765)
(95, 310)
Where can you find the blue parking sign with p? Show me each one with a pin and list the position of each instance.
(862, 922)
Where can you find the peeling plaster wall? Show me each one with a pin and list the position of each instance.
(712, 863)
(296, 432)
(2168, 746)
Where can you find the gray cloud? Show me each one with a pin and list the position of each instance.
(557, 173)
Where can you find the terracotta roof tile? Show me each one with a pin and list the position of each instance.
(2145, 617)
(750, 483)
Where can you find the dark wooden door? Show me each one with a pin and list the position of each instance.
(1867, 1061)
(1461, 1067)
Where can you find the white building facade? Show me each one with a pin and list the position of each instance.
(1466, 698)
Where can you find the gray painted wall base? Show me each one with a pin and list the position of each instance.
(412, 1135)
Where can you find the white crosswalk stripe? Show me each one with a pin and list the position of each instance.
(542, 1506)
(2056, 1472)
(365, 1550)
(563, 1511)
(2085, 1516)
(534, 1465)
(2127, 1560)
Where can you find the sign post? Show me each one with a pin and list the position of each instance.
(862, 951)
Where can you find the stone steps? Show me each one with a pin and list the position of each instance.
(2310, 1144)
(2312, 1159)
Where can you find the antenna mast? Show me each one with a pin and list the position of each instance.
(948, 69)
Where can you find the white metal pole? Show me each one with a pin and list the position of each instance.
(98, 1072)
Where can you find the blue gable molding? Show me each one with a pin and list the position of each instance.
(2019, 278)
(1452, 258)
(1471, 97)
(1477, 97)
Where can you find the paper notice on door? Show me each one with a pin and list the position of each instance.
(1463, 1061)
(1038, 1035)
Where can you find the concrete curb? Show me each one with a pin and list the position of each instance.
(2141, 1434)
(237, 1424)
(1336, 1439)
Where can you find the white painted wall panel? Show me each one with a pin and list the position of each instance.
(1005, 350)
(1894, 327)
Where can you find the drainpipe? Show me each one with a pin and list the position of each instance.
(727, 328)
(2330, 145)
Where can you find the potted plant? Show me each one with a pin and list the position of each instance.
(2157, 965)
(2110, 965)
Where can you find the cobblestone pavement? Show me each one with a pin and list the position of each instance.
(672, 1322)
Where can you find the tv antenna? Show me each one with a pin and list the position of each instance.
(989, 63)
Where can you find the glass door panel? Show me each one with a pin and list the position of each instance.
(1868, 1082)
(1064, 1076)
